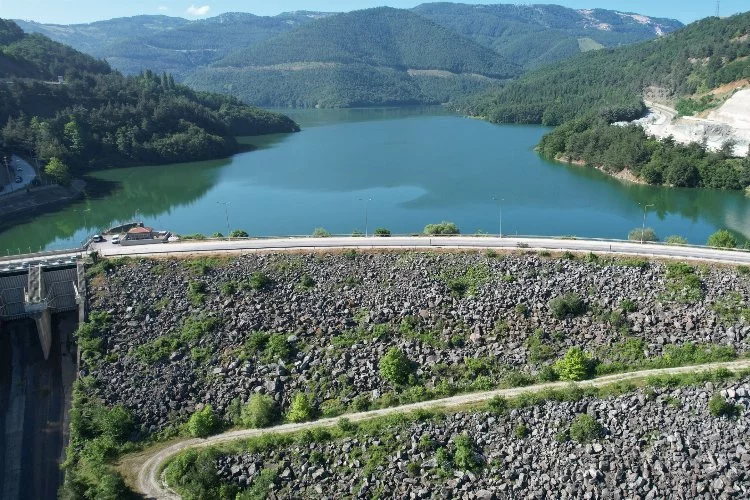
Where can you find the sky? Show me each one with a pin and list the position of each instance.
(83, 11)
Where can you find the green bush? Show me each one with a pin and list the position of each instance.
(301, 409)
(258, 280)
(239, 233)
(497, 405)
(197, 292)
(381, 231)
(465, 457)
(277, 347)
(718, 406)
(575, 365)
(722, 239)
(321, 233)
(260, 411)
(443, 459)
(640, 234)
(395, 367)
(521, 431)
(306, 281)
(628, 306)
(203, 422)
(568, 304)
(444, 228)
(585, 429)
(676, 240)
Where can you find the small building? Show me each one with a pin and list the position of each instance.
(140, 233)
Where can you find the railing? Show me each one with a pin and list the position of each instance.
(41, 255)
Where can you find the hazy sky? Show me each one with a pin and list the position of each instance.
(81, 11)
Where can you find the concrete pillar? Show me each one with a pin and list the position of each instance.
(44, 331)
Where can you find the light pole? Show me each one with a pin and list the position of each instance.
(500, 214)
(367, 206)
(226, 213)
(643, 226)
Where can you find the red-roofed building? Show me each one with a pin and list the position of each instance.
(140, 233)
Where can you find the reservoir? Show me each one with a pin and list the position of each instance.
(402, 168)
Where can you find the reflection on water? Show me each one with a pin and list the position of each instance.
(417, 165)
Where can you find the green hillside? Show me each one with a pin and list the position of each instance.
(369, 57)
(534, 35)
(99, 118)
(175, 45)
(611, 82)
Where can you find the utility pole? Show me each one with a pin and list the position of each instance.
(367, 206)
(643, 227)
(500, 215)
(226, 214)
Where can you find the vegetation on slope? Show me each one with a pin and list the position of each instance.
(611, 82)
(532, 36)
(99, 118)
(359, 58)
(613, 148)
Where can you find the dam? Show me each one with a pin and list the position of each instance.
(41, 305)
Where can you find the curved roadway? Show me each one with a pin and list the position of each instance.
(150, 484)
(424, 242)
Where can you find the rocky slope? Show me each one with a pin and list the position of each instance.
(654, 443)
(469, 321)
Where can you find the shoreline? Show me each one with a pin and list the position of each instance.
(625, 175)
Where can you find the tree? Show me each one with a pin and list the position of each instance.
(442, 228)
(575, 365)
(381, 231)
(260, 411)
(722, 239)
(203, 422)
(395, 366)
(301, 409)
(641, 234)
(568, 304)
(238, 233)
(58, 171)
(321, 233)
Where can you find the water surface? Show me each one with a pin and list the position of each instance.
(417, 166)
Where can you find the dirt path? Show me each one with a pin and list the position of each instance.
(147, 464)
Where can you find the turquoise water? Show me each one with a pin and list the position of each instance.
(417, 166)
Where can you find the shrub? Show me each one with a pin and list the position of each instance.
(258, 281)
(239, 233)
(718, 406)
(722, 239)
(539, 349)
(321, 233)
(260, 411)
(228, 288)
(575, 365)
(628, 306)
(497, 405)
(278, 347)
(443, 459)
(395, 367)
(585, 428)
(568, 304)
(465, 457)
(676, 240)
(640, 234)
(301, 409)
(306, 281)
(197, 292)
(491, 254)
(203, 422)
(442, 228)
(743, 270)
(381, 231)
(521, 431)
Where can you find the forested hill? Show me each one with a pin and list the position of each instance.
(612, 82)
(99, 118)
(374, 56)
(534, 35)
(172, 44)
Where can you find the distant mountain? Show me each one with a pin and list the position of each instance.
(175, 45)
(612, 82)
(533, 35)
(96, 117)
(368, 57)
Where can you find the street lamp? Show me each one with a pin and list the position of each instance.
(500, 214)
(226, 213)
(643, 226)
(367, 206)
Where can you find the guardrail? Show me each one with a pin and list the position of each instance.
(41, 255)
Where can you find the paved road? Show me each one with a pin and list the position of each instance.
(150, 484)
(27, 173)
(423, 242)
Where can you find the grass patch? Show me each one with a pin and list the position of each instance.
(682, 284)
(193, 329)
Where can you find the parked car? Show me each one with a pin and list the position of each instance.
(115, 239)
(97, 238)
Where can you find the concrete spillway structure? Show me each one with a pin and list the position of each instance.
(41, 290)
